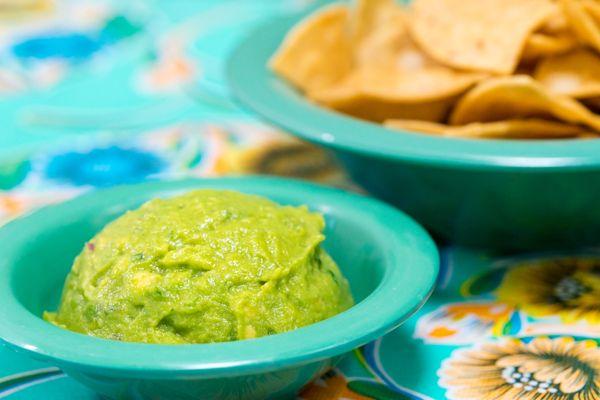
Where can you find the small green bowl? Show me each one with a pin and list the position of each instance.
(498, 194)
(390, 261)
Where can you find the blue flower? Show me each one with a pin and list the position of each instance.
(75, 46)
(71, 46)
(104, 167)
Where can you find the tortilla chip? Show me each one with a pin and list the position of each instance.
(389, 67)
(377, 30)
(415, 125)
(556, 23)
(593, 8)
(582, 22)
(317, 52)
(402, 72)
(421, 85)
(593, 104)
(474, 34)
(541, 45)
(348, 100)
(519, 96)
(576, 74)
(509, 129)
(411, 69)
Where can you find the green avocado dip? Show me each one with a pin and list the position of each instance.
(207, 266)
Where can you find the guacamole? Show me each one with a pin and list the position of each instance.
(207, 266)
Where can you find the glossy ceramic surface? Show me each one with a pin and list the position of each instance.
(492, 193)
(390, 261)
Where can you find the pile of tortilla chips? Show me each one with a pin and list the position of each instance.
(515, 69)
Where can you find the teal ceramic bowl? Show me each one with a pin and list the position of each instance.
(501, 194)
(390, 261)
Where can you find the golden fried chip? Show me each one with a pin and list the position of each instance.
(540, 45)
(509, 129)
(411, 68)
(392, 76)
(417, 125)
(582, 22)
(348, 100)
(317, 52)
(377, 30)
(379, 110)
(576, 74)
(391, 67)
(426, 85)
(552, 37)
(593, 8)
(481, 35)
(392, 71)
(593, 104)
(408, 86)
(519, 96)
(556, 23)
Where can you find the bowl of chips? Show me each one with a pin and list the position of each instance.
(478, 118)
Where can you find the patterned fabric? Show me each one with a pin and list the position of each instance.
(121, 92)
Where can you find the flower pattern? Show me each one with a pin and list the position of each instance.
(524, 296)
(103, 167)
(74, 46)
(542, 369)
(252, 151)
(27, 9)
(568, 287)
(463, 323)
(14, 204)
(37, 53)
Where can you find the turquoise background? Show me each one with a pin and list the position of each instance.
(104, 110)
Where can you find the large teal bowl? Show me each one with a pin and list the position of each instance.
(492, 193)
(390, 261)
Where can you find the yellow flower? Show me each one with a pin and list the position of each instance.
(543, 369)
(568, 287)
(12, 9)
(274, 153)
(289, 158)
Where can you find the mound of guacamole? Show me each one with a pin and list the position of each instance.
(207, 266)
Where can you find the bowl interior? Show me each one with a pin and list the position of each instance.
(390, 261)
(38, 280)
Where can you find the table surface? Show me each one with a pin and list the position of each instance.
(100, 93)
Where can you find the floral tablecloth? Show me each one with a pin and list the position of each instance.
(99, 93)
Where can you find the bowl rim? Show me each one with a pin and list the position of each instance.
(392, 300)
(257, 88)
